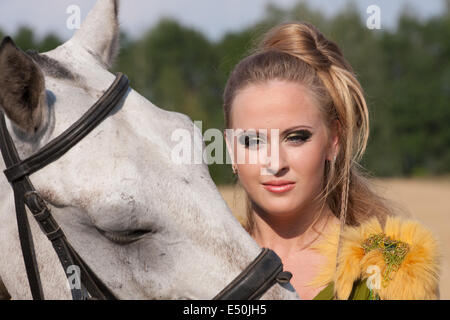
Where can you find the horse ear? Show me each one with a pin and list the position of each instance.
(22, 87)
(99, 33)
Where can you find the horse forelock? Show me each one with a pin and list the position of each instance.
(50, 66)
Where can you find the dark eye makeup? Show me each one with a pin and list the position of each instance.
(250, 140)
(295, 137)
(299, 136)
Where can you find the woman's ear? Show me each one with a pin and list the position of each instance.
(334, 144)
(229, 140)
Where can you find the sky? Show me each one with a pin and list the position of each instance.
(212, 17)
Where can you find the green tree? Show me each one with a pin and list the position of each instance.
(25, 39)
(49, 42)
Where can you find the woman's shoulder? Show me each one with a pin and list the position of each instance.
(397, 260)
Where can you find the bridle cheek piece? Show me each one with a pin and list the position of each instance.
(252, 283)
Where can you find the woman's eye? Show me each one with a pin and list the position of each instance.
(250, 142)
(299, 136)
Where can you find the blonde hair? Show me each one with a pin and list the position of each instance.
(300, 53)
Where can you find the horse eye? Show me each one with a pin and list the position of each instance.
(125, 237)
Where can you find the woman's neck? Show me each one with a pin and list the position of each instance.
(291, 233)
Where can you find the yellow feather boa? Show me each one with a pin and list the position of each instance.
(416, 278)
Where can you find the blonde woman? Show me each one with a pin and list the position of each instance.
(311, 202)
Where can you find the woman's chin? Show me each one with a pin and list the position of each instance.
(278, 209)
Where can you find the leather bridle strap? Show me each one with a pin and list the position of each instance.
(10, 155)
(17, 173)
(256, 279)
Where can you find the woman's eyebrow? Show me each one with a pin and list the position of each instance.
(295, 127)
(256, 131)
(248, 132)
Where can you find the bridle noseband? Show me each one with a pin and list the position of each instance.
(257, 278)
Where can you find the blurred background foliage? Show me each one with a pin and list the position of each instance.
(405, 73)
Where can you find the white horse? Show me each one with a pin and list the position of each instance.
(117, 181)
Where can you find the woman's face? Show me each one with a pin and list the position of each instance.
(303, 145)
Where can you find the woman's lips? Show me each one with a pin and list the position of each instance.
(279, 188)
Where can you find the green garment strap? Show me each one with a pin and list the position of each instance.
(359, 292)
(326, 293)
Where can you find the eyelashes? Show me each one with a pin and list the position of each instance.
(296, 137)
(299, 136)
(250, 141)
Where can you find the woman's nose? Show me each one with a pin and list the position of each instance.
(275, 163)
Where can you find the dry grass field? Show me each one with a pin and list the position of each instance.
(427, 200)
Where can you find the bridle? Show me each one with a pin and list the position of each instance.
(256, 279)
